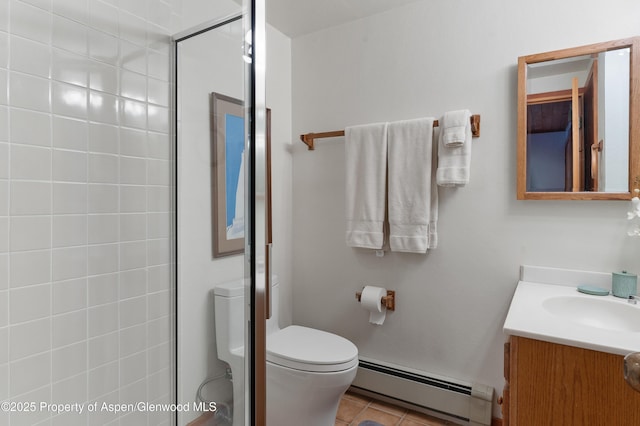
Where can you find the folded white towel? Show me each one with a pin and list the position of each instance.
(454, 127)
(366, 165)
(454, 161)
(413, 195)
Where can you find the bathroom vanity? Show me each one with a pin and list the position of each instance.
(563, 361)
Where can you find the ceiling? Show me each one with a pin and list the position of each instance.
(298, 17)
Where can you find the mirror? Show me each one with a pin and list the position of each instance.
(578, 122)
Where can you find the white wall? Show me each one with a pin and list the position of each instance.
(424, 59)
(213, 63)
(85, 276)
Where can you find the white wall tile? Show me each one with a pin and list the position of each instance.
(4, 40)
(68, 263)
(38, 417)
(103, 47)
(103, 198)
(30, 233)
(133, 85)
(158, 172)
(103, 138)
(30, 303)
(158, 65)
(133, 368)
(29, 92)
(133, 142)
(69, 67)
(103, 259)
(30, 127)
(69, 328)
(70, 35)
(72, 9)
(30, 22)
(30, 198)
(4, 308)
(159, 252)
(103, 349)
(158, 199)
(69, 361)
(69, 296)
(4, 271)
(133, 114)
(42, 4)
(158, 92)
(133, 311)
(133, 340)
(160, 14)
(134, 392)
(103, 108)
(103, 380)
(133, 170)
(69, 100)
(4, 160)
(159, 304)
(103, 77)
(133, 283)
(103, 228)
(158, 225)
(133, 57)
(69, 198)
(133, 28)
(30, 338)
(71, 390)
(22, 271)
(30, 162)
(3, 86)
(158, 331)
(158, 118)
(103, 289)
(159, 358)
(4, 234)
(132, 198)
(133, 226)
(159, 278)
(103, 17)
(69, 133)
(4, 16)
(30, 373)
(30, 56)
(4, 122)
(4, 354)
(69, 166)
(103, 168)
(103, 319)
(69, 230)
(133, 255)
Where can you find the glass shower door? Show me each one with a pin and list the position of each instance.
(221, 218)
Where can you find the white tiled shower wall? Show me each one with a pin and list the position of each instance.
(85, 207)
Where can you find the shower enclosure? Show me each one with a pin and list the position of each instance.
(221, 206)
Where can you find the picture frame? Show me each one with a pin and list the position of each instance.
(227, 173)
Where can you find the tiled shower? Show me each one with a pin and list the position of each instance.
(85, 208)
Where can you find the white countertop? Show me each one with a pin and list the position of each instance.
(528, 318)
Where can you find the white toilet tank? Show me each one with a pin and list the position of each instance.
(229, 306)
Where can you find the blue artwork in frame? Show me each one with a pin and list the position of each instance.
(228, 172)
(228, 137)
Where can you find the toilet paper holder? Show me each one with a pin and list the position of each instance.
(388, 301)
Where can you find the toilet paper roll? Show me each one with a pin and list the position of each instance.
(371, 300)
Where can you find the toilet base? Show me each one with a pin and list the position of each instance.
(297, 397)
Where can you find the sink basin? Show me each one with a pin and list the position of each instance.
(594, 312)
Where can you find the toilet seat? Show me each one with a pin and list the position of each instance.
(308, 349)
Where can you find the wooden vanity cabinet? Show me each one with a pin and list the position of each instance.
(553, 384)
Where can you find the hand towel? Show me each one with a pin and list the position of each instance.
(454, 127)
(413, 195)
(454, 161)
(366, 166)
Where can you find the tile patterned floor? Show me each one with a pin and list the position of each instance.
(356, 408)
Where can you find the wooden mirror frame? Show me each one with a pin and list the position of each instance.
(633, 44)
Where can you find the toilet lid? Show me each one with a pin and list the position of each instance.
(309, 349)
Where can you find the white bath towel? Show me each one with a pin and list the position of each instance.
(413, 195)
(366, 165)
(454, 161)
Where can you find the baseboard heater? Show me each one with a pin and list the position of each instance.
(449, 399)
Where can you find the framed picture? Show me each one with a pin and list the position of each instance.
(227, 173)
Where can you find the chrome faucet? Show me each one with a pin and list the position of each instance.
(633, 299)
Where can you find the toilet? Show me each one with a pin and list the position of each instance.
(308, 370)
